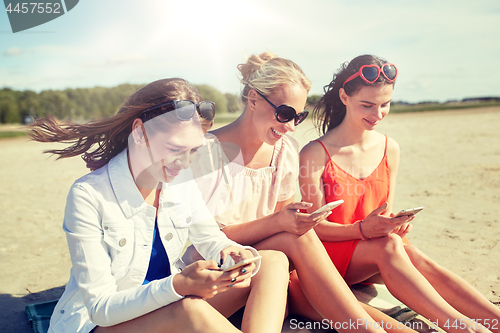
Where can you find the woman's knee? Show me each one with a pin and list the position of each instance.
(274, 265)
(390, 245)
(272, 258)
(292, 245)
(192, 308)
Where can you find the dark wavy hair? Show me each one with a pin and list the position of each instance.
(111, 134)
(329, 112)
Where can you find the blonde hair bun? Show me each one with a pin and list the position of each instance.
(267, 72)
(253, 64)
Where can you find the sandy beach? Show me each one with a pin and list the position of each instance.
(450, 164)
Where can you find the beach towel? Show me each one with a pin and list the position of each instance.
(39, 315)
(375, 295)
(379, 297)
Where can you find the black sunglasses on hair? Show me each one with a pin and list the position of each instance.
(285, 113)
(186, 109)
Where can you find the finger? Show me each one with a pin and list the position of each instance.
(396, 230)
(240, 277)
(208, 264)
(380, 210)
(229, 275)
(299, 205)
(223, 285)
(399, 220)
(228, 251)
(238, 254)
(320, 216)
(242, 284)
(223, 256)
(247, 270)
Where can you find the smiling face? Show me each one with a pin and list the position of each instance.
(175, 149)
(164, 151)
(270, 130)
(368, 106)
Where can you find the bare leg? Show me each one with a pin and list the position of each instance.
(299, 304)
(456, 291)
(388, 256)
(267, 295)
(323, 286)
(192, 315)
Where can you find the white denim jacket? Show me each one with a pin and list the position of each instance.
(109, 229)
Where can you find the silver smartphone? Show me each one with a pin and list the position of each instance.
(243, 263)
(329, 206)
(409, 212)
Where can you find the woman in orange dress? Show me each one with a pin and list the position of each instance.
(353, 162)
(360, 195)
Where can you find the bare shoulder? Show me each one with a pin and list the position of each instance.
(222, 136)
(314, 153)
(392, 152)
(392, 147)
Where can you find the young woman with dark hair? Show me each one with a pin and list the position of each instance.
(353, 162)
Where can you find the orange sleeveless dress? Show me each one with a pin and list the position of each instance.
(361, 197)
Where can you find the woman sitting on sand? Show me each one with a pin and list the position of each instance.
(127, 223)
(353, 162)
(249, 185)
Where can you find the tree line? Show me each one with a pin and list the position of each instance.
(83, 104)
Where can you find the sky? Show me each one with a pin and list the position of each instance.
(444, 50)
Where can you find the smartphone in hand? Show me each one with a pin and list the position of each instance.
(329, 206)
(409, 212)
(242, 263)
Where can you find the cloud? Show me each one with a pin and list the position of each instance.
(13, 52)
(117, 60)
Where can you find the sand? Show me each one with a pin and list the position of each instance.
(450, 164)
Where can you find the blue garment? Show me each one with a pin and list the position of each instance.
(159, 266)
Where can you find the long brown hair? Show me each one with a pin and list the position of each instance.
(111, 134)
(330, 111)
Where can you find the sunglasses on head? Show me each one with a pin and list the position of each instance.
(371, 73)
(285, 113)
(185, 109)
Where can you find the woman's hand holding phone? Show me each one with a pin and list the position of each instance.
(406, 227)
(205, 279)
(292, 220)
(377, 225)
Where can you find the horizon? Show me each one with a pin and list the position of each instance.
(463, 100)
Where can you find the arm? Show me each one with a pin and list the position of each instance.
(393, 160)
(253, 231)
(286, 218)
